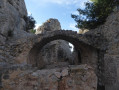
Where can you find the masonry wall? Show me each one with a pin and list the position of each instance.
(80, 77)
(108, 42)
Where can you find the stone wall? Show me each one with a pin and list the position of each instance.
(111, 57)
(79, 77)
(110, 49)
(81, 43)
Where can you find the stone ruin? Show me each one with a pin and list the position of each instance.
(24, 64)
(58, 50)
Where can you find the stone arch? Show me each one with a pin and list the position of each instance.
(88, 53)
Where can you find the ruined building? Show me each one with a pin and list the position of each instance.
(58, 50)
(23, 65)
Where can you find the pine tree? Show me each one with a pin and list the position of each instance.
(94, 14)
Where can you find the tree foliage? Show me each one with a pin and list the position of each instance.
(30, 22)
(95, 13)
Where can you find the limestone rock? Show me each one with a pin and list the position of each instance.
(49, 25)
(12, 16)
(12, 31)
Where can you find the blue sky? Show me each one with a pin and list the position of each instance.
(42, 10)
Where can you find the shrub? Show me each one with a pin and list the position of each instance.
(33, 31)
(30, 22)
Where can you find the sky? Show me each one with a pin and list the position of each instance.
(42, 10)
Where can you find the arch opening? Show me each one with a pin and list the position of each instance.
(58, 53)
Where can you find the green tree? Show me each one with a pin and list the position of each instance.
(94, 14)
(30, 22)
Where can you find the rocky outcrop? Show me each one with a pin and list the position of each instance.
(80, 77)
(13, 37)
(12, 21)
(49, 25)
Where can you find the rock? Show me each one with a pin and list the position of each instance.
(58, 74)
(49, 25)
(65, 72)
(12, 30)
(2, 40)
(12, 16)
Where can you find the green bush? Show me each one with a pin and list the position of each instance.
(33, 31)
(94, 14)
(30, 23)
